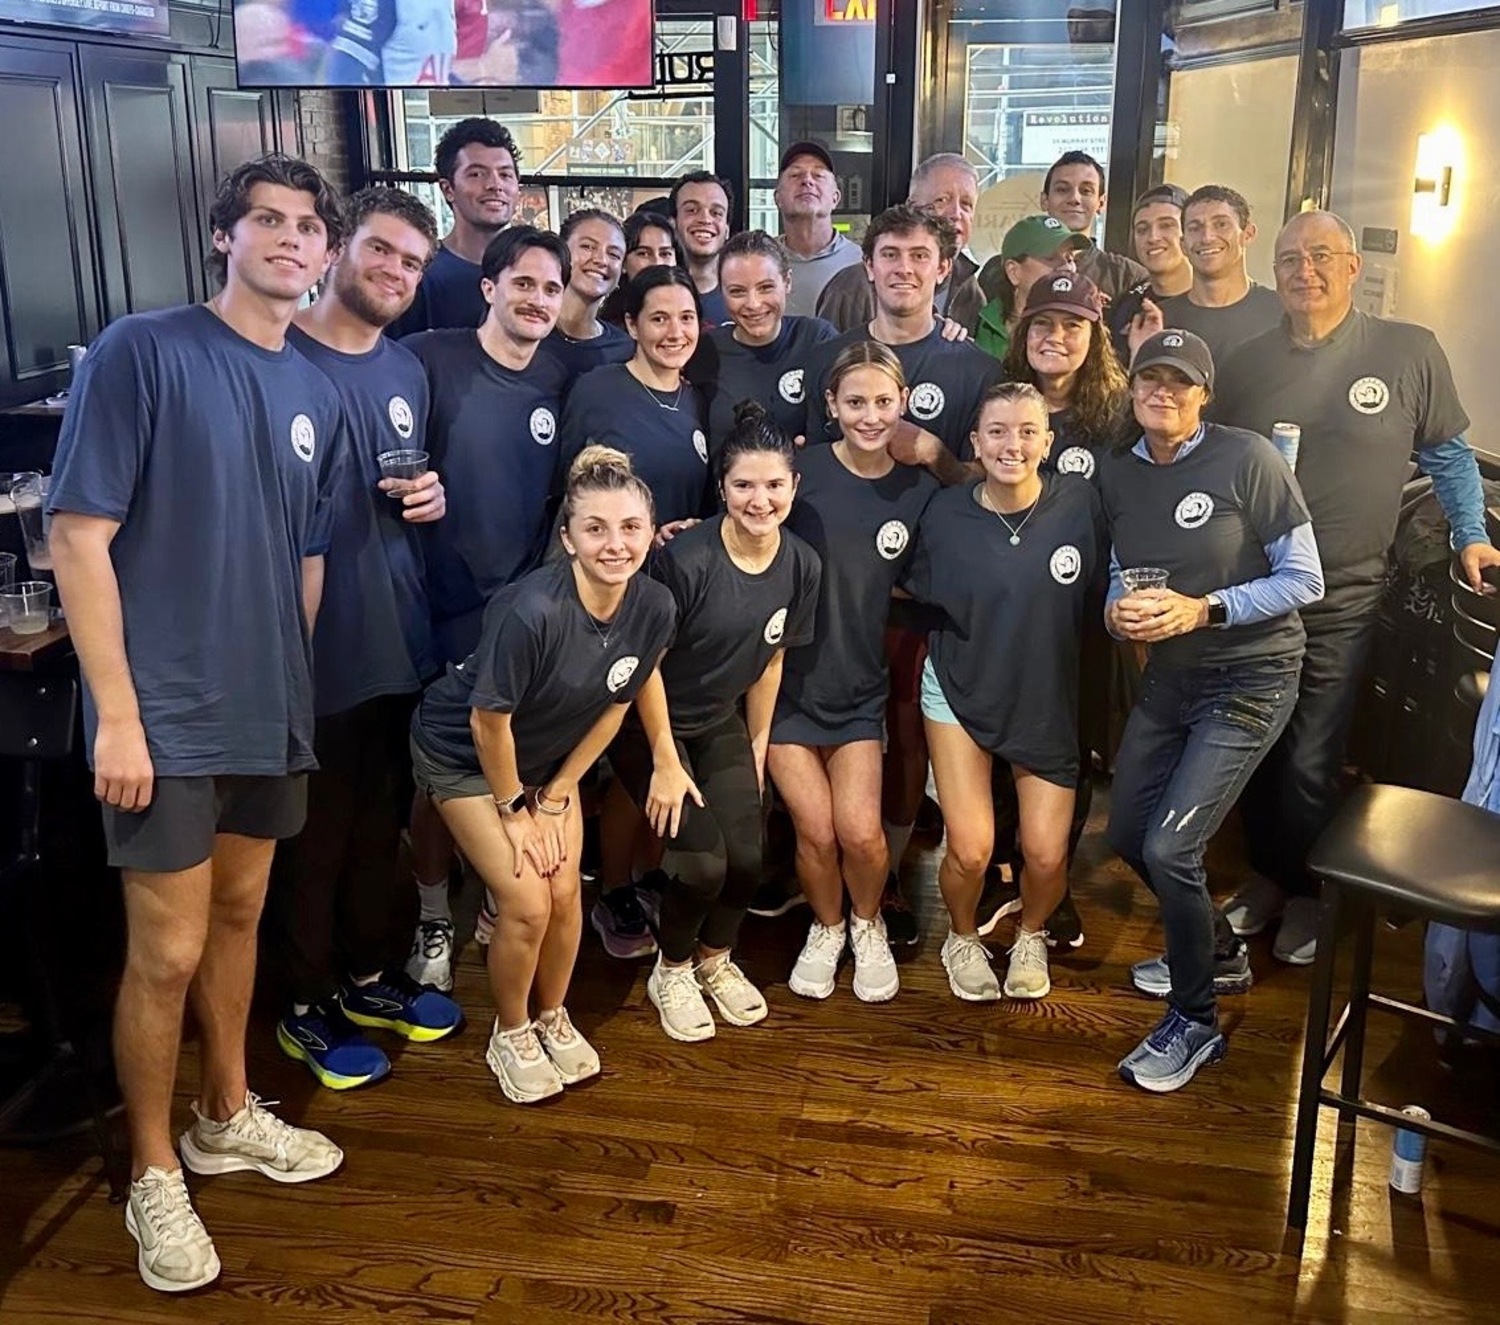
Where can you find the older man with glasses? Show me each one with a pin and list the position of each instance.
(1368, 395)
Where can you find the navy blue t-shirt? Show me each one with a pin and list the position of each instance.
(774, 374)
(492, 435)
(219, 461)
(544, 660)
(661, 431)
(449, 296)
(712, 310)
(583, 356)
(374, 632)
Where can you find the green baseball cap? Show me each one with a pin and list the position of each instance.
(1040, 237)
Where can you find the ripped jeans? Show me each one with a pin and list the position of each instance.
(1193, 739)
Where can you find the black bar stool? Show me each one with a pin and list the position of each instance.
(1427, 857)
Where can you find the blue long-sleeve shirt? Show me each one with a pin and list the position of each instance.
(1455, 478)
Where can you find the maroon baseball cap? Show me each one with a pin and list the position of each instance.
(1064, 292)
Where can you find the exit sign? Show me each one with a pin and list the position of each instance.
(849, 11)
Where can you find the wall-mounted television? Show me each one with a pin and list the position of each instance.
(444, 43)
(141, 17)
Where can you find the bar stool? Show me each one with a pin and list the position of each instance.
(37, 728)
(1429, 857)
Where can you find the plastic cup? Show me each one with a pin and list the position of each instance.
(7, 580)
(1137, 579)
(28, 606)
(403, 465)
(28, 494)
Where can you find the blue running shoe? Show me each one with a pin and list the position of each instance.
(1167, 1059)
(333, 1049)
(395, 1002)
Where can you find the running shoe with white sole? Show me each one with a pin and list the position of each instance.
(431, 960)
(674, 992)
(739, 1002)
(1168, 1058)
(876, 979)
(175, 1255)
(1027, 976)
(970, 975)
(620, 921)
(817, 968)
(1254, 907)
(572, 1055)
(521, 1065)
(256, 1139)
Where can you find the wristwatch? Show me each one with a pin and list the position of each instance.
(1218, 613)
(514, 805)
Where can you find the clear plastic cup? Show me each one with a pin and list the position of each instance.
(1138, 579)
(28, 494)
(402, 465)
(27, 606)
(7, 580)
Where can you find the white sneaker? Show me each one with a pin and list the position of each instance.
(876, 979)
(431, 960)
(255, 1138)
(1027, 976)
(970, 975)
(739, 1002)
(572, 1055)
(1297, 939)
(684, 1014)
(520, 1065)
(817, 965)
(176, 1254)
(1252, 909)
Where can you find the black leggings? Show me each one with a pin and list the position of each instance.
(714, 863)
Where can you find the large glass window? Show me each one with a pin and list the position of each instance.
(1360, 14)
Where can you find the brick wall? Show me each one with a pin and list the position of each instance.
(320, 124)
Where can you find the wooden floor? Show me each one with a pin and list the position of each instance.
(922, 1161)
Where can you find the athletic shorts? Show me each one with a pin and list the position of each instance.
(905, 652)
(443, 783)
(935, 707)
(176, 831)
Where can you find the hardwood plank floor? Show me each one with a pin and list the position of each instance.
(921, 1161)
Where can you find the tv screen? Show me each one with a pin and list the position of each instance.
(443, 43)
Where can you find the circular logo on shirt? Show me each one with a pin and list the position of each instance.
(927, 401)
(304, 437)
(400, 415)
(789, 387)
(1369, 395)
(1194, 510)
(543, 426)
(1065, 564)
(1076, 460)
(700, 444)
(892, 539)
(776, 626)
(622, 670)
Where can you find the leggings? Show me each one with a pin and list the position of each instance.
(713, 865)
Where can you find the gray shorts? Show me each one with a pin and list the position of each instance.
(443, 783)
(176, 831)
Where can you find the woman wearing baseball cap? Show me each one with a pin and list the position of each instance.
(1213, 553)
(1032, 248)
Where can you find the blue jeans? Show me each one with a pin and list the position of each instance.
(1192, 742)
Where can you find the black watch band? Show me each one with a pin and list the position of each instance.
(1218, 612)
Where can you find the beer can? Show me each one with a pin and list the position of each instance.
(1409, 1154)
(1287, 438)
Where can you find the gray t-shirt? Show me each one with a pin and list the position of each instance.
(810, 275)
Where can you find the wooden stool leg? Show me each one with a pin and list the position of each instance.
(1314, 1055)
(1359, 1001)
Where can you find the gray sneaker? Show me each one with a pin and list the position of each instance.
(176, 1254)
(970, 975)
(1027, 977)
(255, 1138)
(1171, 1055)
(1232, 975)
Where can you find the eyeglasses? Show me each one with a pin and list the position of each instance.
(1289, 264)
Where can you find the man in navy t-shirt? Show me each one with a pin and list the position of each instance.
(334, 886)
(191, 502)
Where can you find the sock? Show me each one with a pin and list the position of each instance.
(896, 838)
(364, 981)
(434, 900)
(301, 1009)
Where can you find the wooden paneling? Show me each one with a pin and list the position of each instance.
(230, 126)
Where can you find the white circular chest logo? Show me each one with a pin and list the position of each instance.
(622, 670)
(1076, 460)
(790, 388)
(1369, 395)
(304, 437)
(892, 539)
(543, 426)
(776, 626)
(400, 416)
(1194, 510)
(700, 444)
(1065, 564)
(927, 401)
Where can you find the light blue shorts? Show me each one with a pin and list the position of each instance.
(934, 702)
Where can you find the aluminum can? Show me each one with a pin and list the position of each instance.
(1409, 1154)
(1287, 438)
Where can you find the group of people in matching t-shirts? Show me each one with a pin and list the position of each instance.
(744, 512)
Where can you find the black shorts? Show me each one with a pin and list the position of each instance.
(176, 831)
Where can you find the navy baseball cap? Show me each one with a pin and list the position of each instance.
(1181, 350)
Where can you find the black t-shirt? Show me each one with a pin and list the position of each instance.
(1207, 519)
(583, 356)
(1122, 311)
(774, 374)
(1224, 329)
(663, 433)
(552, 667)
(1074, 450)
(1365, 398)
(219, 459)
(491, 434)
(1007, 654)
(374, 631)
(449, 296)
(730, 623)
(947, 380)
(862, 530)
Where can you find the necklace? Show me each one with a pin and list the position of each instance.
(1015, 529)
(602, 634)
(656, 395)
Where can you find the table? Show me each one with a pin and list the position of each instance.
(29, 653)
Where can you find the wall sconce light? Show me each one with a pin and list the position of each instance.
(1432, 209)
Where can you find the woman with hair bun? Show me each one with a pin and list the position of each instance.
(500, 742)
(746, 590)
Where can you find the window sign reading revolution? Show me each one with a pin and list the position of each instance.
(148, 17)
